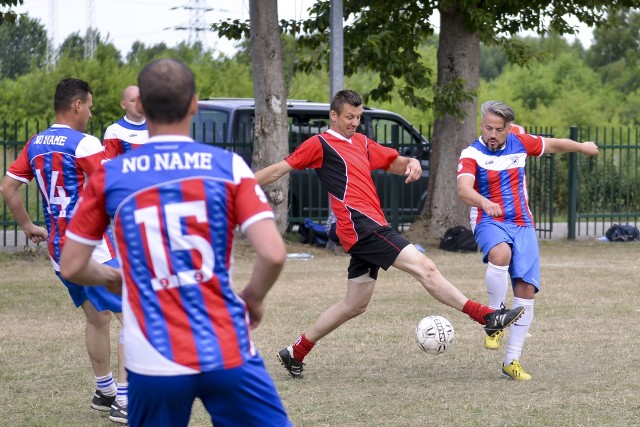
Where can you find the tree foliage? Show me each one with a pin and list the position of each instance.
(23, 45)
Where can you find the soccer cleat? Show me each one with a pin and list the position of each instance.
(514, 371)
(101, 402)
(295, 368)
(118, 413)
(492, 342)
(501, 318)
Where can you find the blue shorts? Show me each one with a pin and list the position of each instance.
(243, 396)
(99, 296)
(525, 254)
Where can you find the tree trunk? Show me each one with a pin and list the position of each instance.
(458, 58)
(270, 126)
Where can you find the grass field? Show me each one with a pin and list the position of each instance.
(583, 353)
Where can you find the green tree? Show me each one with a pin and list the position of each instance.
(9, 16)
(23, 45)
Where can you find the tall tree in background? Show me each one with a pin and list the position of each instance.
(383, 37)
(23, 45)
(270, 126)
(9, 15)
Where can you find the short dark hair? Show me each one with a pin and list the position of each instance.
(166, 88)
(345, 96)
(500, 109)
(67, 91)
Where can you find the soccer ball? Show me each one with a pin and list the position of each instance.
(434, 334)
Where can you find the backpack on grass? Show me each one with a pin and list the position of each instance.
(312, 233)
(459, 239)
(622, 233)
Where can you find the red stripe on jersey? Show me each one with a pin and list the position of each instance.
(495, 193)
(232, 218)
(514, 181)
(133, 292)
(183, 346)
(222, 323)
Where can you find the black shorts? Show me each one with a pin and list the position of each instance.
(377, 250)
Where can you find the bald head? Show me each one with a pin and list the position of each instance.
(167, 88)
(128, 102)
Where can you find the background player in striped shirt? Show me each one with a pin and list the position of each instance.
(61, 159)
(343, 160)
(175, 206)
(130, 131)
(491, 179)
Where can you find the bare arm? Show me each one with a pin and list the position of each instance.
(10, 191)
(270, 259)
(76, 265)
(407, 166)
(273, 173)
(565, 145)
(471, 197)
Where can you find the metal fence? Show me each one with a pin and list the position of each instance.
(585, 195)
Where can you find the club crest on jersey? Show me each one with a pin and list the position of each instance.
(515, 159)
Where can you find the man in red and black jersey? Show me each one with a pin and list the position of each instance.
(343, 160)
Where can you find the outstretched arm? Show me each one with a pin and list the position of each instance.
(273, 173)
(408, 167)
(565, 145)
(10, 191)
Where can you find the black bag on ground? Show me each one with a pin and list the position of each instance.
(459, 239)
(622, 233)
(312, 233)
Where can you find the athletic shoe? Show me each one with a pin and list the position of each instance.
(492, 342)
(514, 371)
(501, 318)
(295, 368)
(101, 402)
(118, 413)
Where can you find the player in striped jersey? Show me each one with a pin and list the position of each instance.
(344, 159)
(175, 205)
(130, 131)
(491, 180)
(61, 159)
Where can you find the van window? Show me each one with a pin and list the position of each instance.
(302, 127)
(210, 126)
(390, 132)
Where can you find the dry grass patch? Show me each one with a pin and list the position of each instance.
(582, 353)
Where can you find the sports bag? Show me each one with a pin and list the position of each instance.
(622, 233)
(312, 233)
(459, 239)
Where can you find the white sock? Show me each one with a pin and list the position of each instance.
(106, 385)
(518, 330)
(497, 281)
(122, 396)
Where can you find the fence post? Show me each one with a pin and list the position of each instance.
(573, 172)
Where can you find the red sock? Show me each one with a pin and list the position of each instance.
(302, 347)
(477, 311)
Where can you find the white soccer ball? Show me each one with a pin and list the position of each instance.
(434, 334)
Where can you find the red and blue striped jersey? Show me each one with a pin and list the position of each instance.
(175, 205)
(61, 159)
(500, 176)
(123, 136)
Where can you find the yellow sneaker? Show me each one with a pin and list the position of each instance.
(492, 342)
(514, 371)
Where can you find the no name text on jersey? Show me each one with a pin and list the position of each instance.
(167, 161)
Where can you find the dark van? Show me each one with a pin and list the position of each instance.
(228, 123)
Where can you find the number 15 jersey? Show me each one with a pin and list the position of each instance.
(175, 205)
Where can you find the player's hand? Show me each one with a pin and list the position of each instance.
(254, 307)
(35, 233)
(113, 281)
(413, 171)
(492, 209)
(589, 148)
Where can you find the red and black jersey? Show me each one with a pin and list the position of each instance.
(344, 166)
